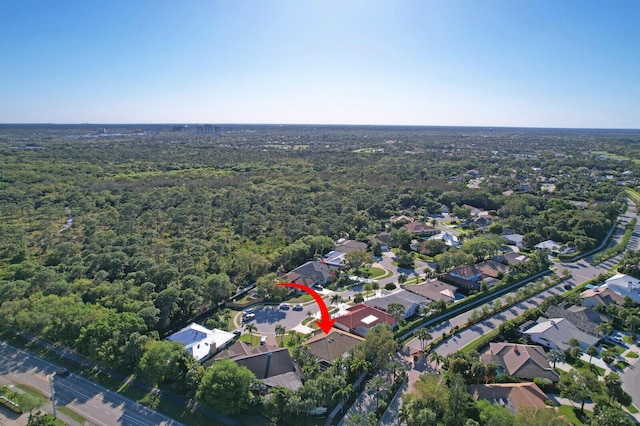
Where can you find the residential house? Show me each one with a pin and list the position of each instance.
(600, 296)
(311, 273)
(511, 258)
(514, 239)
(444, 209)
(491, 268)
(475, 211)
(201, 342)
(334, 258)
(467, 276)
(401, 218)
(512, 396)
(382, 238)
(624, 285)
(360, 318)
(518, 360)
(449, 239)
(410, 301)
(549, 246)
(555, 333)
(585, 319)
(346, 246)
(434, 290)
(419, 228)
(326, 348)
(271, 364)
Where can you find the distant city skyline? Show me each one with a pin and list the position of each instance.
(507, 63)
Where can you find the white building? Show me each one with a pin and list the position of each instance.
(555, 333)
(624, 285)
(201, 342)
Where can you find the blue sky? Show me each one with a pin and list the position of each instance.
(558, 63)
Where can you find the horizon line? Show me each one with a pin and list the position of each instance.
(186, 124)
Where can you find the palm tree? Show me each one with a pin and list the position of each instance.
(335, 300)
(280, 330)
(436, 358)
(423, 335)
(604, 328)
(555, 355)
(591, 351)
(250, 328)
(342, 393)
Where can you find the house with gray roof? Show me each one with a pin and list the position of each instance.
(555, 333)
(582, 317)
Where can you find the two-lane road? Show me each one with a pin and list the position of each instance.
(99, 405)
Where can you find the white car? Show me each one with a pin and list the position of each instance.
(284, 306)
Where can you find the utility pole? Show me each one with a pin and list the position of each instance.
(53, 395)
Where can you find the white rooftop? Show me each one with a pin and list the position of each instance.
(369, 319)
(201, 342)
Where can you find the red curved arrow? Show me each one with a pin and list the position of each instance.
(325, 323)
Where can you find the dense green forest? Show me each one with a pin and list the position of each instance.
(164, 224)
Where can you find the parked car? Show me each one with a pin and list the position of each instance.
(237, 333)
(248, 317)
(247, 312)
(284, 306)
(568, 286)
(298, 307)
(263, 340)
(317, 287)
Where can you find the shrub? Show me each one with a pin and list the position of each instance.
(390, 286)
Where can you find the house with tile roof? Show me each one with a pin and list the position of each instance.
(411, 302)
(555, 333)
(491, 268)
(346, 246)
(467, 277)
(518, 360)
(419, 228)
(326, 348)
(600, 296)
(201, 342)
(434, 290)
(624, 285)
(360, 318)
(512, 396)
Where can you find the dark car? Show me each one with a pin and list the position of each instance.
(63, 372)
(568, 286)
(237, 333)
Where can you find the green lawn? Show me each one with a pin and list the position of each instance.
(632, 409)
(303, 298)
(631, 354)
(377, 272)
(622, 365)
(253, 340)
(574, 415)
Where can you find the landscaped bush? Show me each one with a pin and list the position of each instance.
(390, 286)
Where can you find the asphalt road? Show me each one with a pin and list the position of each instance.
(98, 405)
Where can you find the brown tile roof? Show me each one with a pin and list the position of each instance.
(513, 396)
(434, 290)
(492, 268)
(420, 228)
(523, 361)
(603, 295)
(330, 346)
(242, 349)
